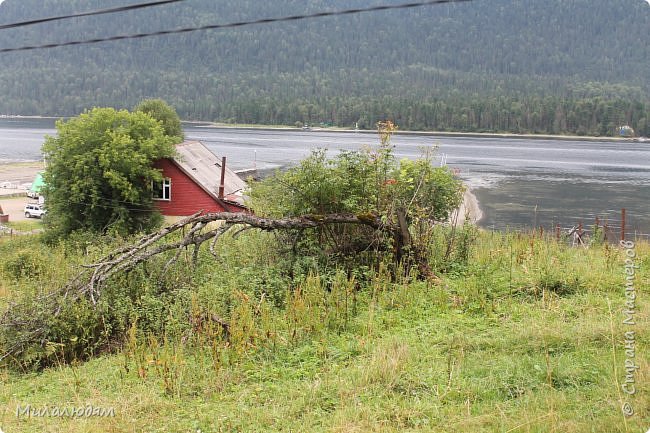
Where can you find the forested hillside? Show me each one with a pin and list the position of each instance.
(488, 65)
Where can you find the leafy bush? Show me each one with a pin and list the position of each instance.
(409, 195)
(74, 328)
(24, 263)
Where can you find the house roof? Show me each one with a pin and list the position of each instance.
(204, 167)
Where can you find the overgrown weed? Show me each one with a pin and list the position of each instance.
(515, 337)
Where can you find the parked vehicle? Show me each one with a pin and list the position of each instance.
(34, 210)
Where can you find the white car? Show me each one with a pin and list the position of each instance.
(34, 210)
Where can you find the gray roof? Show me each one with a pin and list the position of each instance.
(204, 167)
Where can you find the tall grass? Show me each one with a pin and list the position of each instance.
(515, 336)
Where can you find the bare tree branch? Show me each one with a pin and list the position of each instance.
(89, 282)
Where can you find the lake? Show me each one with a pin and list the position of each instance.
(519, 182)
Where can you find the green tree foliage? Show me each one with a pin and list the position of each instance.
(162, 112)
(99, 172)
(372, 182)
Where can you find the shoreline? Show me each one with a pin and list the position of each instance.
(469, 210)
(505, 135)
(18, 116)
(287, 128)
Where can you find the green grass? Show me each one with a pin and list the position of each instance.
(25, 226)
(525, 337)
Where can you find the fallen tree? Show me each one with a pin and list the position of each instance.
(195, 231)
(130, 256)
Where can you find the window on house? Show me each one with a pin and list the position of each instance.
(162, 190)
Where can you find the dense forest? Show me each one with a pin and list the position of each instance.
(578, 67)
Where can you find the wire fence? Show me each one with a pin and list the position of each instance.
(11, 232)
(611, 225)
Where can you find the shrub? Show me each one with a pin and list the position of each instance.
(24, 263)
(371, 183)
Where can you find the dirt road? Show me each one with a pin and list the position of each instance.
(14, 207)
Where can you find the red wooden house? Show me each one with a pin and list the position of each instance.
(196, 180)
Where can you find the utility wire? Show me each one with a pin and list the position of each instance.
(88, 14)
(235, 24)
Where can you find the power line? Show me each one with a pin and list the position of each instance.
(88, 14)
(235, 24)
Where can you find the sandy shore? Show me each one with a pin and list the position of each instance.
(469, 210)
(16, 176)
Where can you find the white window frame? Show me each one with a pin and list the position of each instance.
(166, 189)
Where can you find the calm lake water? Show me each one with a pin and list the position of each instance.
(519, 183)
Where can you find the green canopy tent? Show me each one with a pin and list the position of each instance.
(37, 185)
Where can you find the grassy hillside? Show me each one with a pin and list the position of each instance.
(521, 334)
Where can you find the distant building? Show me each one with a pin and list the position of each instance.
(192, 183)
